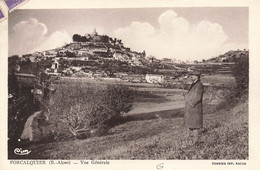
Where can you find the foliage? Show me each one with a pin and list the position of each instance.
(28, 67)
(119, 99)
(226, 138)
(241, 74)
(79, 38)
(13, 86)
(232, 94)
(20, 107)
(43, 64)
(25, 66)
(90, 106)
(70, 54)
(13, 62)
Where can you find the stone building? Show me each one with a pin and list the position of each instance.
(154, 78)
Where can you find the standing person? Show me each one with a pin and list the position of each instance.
(193, 117)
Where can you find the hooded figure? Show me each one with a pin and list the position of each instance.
(193, 117)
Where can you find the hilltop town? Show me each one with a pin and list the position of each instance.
(99, 56)
(90, 47)
(93, 56)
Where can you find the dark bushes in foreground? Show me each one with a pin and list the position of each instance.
(241, 74)
(85, 110)
(239, 92)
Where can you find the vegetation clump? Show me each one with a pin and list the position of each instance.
(92, 110)
(241, 74)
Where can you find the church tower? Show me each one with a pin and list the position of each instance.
(94, 32)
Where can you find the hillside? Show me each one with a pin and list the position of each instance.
(91, 47)
(230, 56)
(101, 56)
(159, 138)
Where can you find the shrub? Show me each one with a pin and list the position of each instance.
(87, 108)
(241, 74)
(119, 99)
(238, 93)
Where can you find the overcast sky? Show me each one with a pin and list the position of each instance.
(180, 33)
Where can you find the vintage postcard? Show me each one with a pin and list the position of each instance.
(160, 85)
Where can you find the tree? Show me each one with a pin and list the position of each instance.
(76, 37)
(110, 67)
(92, 108)
(70, 54)
(241, 74)
(83, 39)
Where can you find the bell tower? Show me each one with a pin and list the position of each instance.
(94, 32)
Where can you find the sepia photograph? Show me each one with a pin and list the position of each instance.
(128, 83)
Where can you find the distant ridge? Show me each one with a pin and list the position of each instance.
(230, 56)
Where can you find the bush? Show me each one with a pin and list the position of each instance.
(85, 108)
(119, 99)
(238, 93)
(241, 74)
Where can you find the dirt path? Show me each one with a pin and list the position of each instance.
(172, 102)
(140, 108)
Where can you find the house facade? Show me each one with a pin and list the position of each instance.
(155, 78)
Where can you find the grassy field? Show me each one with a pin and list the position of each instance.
(159, 138)
(153, 129)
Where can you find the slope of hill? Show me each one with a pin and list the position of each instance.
(230, 56)
(90, 47)
(226, 138)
